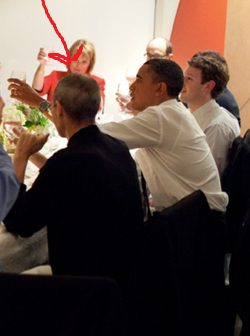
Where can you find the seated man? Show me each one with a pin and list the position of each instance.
(87, 194)
(173, 153)
(9, 184)
(204, 79)
(226, 98)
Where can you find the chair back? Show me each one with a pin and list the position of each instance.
(239, 274)
(179, 278)
(236, 183)
(59, 306)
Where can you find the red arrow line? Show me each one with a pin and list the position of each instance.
(59, 57)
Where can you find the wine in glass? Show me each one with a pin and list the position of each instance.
(10, 121)
(19, 75)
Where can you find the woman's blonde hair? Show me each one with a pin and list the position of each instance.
(88, 51)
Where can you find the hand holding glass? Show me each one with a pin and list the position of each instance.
(123, 93)
(11, 121)
(19, 75)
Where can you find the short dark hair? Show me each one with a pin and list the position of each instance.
(169, 72)
(80, 96)
(212, 69)
(214, 54)
(169, 47)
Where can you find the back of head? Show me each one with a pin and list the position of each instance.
(88, 51)
(80, 96)
(158, 42)
(212, 69)
(169, 72)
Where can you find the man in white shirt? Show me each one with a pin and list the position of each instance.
(173, 153)
(204, 79)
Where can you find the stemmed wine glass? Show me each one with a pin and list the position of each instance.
(11, 120)
(123, 97)
(48, 49)
(131, 74)
(19, 75)
(52, 143)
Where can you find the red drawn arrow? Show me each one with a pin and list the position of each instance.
(59, 57)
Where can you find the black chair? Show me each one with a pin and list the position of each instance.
(236, 183)
(59, 306)
(178, 283)
(239, 275)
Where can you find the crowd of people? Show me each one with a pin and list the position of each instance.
(91, 189)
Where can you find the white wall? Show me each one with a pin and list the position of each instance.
(164, 17)
(119, 29)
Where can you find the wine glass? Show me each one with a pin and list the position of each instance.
(48, 49)
(131, 74)
(19, 75)
(11, 120)
(123, 97)
(52, 142)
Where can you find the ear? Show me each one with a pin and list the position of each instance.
(59, 109)
(161, 89)
(210, 85)
(170, 56)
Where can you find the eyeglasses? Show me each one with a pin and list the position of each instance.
(150, 56)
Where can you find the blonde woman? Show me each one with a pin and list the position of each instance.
(84, 64)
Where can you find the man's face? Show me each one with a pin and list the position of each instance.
(143, 90)
(156, 49)
(192, 90)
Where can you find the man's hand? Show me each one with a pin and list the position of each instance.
(2, 104)
(127, 107)
(24, 93)
(29, 144)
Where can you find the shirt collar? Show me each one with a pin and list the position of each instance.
(86, 132)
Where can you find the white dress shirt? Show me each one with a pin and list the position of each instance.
(173, 154)
(220, 127)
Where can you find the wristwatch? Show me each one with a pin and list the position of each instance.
(44, 105)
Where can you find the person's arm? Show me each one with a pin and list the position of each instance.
(24, 93)
(139, 132)
(39, 75)
(9, 184)
(218, 139)
(38, 160)
(27, 145)
(2, 104)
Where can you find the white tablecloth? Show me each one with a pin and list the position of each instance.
(19, 254)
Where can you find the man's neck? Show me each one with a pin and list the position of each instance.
(74, 128)
(193, 106)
